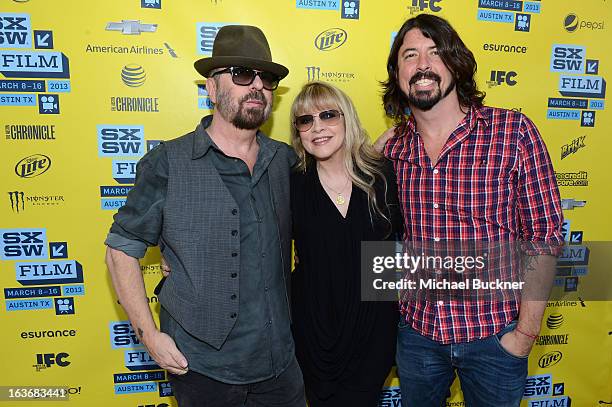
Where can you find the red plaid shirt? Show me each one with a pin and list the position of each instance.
(493, 181)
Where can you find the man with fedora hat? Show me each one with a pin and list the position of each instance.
(216, 201)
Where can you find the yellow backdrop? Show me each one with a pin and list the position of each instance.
(86, 88)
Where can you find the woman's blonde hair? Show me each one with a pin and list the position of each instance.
(362, 161)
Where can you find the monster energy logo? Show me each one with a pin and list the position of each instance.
(17, 201)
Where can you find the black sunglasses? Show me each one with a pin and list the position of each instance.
(329, 117)
(245, 76)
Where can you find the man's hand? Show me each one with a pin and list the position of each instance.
(379, 144)
(517, 343)
(162, 348)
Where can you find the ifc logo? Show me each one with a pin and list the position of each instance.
(133, 75)
(570, 23)
(554, 321)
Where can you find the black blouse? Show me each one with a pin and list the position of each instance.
(340, 339)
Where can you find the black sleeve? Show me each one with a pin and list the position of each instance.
(392, 199)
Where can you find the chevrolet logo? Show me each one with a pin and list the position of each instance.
(131, 27)
(569, 204)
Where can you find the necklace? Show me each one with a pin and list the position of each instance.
(340, 200)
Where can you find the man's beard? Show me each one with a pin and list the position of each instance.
(426, 99)
(241, 117)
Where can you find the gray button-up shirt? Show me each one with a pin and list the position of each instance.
(260, 344)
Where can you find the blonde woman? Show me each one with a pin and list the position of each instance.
(342, 193)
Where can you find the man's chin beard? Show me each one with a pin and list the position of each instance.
(250, 119)
(427, 103)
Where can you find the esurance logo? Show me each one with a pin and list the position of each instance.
(550, 359)
(206, 33)
(573, 23)
(23, 244)
(120, 140)
(133, 75)
(580, 86)
(330, 39)
(513, 12)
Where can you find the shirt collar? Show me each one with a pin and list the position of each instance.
(202, 141)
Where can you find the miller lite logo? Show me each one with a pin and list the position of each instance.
(330, 39)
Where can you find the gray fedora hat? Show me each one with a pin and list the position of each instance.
(240, 45)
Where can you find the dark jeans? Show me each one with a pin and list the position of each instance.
(196, 390)
(489, 375)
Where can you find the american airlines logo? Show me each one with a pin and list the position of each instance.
(131, 27)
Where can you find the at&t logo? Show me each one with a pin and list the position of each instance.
(133, 75)
(330, 39)
(554, 321)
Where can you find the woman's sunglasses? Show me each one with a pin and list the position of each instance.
(329, 117)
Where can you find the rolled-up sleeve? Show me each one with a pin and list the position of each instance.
(138, 223)
(539, 203)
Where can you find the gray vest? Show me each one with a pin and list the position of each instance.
(197, 240)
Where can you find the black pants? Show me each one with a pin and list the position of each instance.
(196, 390)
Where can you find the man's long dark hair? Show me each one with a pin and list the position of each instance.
(456, 56)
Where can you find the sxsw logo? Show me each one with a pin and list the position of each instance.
(536, 386)
(46, 360)
(15, 31)
(417, 6)
(551, 402)
(150, 3)
(49, 272)
(139, 360)
(502, 77)
(120, 140)
(206, 33)
(124, 172)
(568, 58)
(330, 39)
(123, 336)
(390, 397)
(22, 244)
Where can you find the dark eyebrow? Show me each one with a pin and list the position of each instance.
(414, 49)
